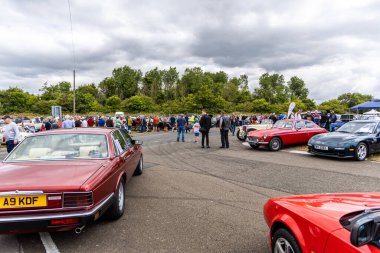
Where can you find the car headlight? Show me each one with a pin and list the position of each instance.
(265, 136)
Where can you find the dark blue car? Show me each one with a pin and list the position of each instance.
(356, 139)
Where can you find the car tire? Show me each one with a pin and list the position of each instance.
(241, 137)
(140, 167)
(284, 241)
(116, 210)
(275, 144)
(361, 151)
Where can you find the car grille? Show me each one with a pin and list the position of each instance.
(253, 139)
(77, 199)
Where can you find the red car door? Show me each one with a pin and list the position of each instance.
(133, 155)
(123, 152)
(301, 134)
(312, 129)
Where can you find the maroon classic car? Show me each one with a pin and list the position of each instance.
(64, 179)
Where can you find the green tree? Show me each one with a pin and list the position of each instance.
(152, 84)
(16, 100)
(113, 104)
(192, 80)
(123, 83)
(231, 92)
(297, 88)
(169, 80)
(261, 106)
(138, 104)
(333, 104)
(272, 88)
(352, 99)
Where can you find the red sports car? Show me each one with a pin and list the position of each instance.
(284, 132)
(326, 223)
(64, 179)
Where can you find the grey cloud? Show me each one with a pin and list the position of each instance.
(250, 36)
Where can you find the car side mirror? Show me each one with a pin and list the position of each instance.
(137, 142)
(363, 231)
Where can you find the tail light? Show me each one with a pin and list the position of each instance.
(77, 199)
(62, 222)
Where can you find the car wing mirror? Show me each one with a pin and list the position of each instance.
(364, 231)
(137, 142)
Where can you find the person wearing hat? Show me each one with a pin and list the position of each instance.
(11, 133)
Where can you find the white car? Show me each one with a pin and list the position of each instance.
(119, 114)
(242, 131)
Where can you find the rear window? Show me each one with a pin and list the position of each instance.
(61, 147)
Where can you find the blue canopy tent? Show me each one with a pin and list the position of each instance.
(373, 104)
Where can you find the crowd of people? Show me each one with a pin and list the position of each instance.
(200, 125)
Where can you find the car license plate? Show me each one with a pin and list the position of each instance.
(321, 147)
(23, 201)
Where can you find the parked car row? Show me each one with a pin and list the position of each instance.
(355, 139)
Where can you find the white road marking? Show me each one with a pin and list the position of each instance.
(48, 243)
(246, 144)
(297, 152)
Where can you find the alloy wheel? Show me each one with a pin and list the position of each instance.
(283, 246)
(120, 197)
(275, 144)
(362, 151)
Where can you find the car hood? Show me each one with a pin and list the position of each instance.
(332, 205)
(337, 137)
(268, 132)
(47, 175)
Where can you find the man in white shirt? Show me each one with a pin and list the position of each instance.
(299, 114)
(11, 133)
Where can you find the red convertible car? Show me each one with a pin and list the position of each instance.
(284, 132)
(64, 179)
(326, 223)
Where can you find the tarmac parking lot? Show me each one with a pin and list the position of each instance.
(204, 200)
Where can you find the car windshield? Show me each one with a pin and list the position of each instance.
(283, 124)
(61, 147)
(358, 127)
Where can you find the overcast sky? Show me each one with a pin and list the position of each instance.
(332, 45)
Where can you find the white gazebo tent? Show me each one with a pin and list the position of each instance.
(372, 112)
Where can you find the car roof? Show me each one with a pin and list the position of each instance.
(81, 130)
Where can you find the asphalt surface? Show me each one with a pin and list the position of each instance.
(205, 200)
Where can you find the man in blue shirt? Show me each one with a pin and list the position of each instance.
(181, 126)
(68, 123)
(101, 122)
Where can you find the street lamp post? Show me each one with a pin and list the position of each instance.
(74, 91)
